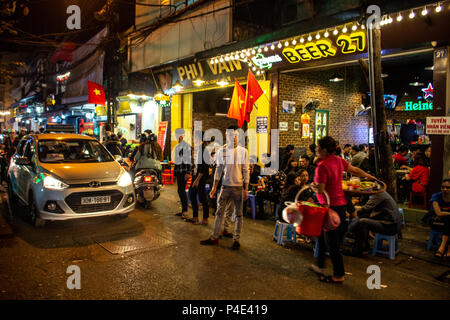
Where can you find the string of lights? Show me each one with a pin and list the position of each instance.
(247, 55)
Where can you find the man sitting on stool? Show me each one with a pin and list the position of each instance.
(380, 215)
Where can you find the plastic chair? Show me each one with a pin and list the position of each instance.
(435, 240)
(279, 233)
(392, 248)
(252, 199)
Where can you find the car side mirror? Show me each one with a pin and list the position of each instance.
(23, 161)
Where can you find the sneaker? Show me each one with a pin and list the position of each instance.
(236, 245)
(209, 241)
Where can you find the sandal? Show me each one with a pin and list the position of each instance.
(316, 270)
(440, 254)
(204, 222)
(329, 279)
(192, 220)
(179, 214)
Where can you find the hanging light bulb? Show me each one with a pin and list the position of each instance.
(286, 43)
(272, 47)
(216, 60)
(177, 86)
(344, 29)
(317, 36)
(212, 61)
(354, 27)
(439, 8)
(363, 26)
(253, 51)
(236, 56)
(294, 42)
(221, 59)
(302, 40)
(309, 38)
(335, 32)
(227, 58)
(390, 20)
(266, 48)
(258, 73)
(222, 82)
(242, 55)
(254, 68)
(326, 34)
(279, 45)
(424, 11)
(259, 50)
(412, 14)
(399, 17)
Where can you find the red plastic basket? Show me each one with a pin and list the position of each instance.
(313, 217)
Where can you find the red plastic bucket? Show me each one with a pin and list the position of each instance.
(313, 217)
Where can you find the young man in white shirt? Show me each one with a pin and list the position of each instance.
(233, 162)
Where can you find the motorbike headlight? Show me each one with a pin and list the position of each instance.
(54, 184)
(124, 180)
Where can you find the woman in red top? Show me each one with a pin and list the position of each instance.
(328, 177)
(420, 174)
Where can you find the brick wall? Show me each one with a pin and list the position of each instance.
(340, 98)
(210, 121)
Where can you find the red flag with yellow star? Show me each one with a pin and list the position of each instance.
(237, 105)
(253, 93)
(96, 93)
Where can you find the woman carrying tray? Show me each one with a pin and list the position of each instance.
(328, 177)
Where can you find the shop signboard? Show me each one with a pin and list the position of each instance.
(124, 108)
(262, 124)
(162, 133)
(438, 125)
(100, 111)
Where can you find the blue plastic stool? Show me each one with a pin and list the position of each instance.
(392, 248)
(252, 199)
(435, 240)
(279, 234)
(402, 213)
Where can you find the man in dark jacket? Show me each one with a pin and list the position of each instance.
(380, 215)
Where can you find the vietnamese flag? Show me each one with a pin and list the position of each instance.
(96, 93)
(253, 93)
(237, 105)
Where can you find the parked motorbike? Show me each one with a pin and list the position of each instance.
(147, 186)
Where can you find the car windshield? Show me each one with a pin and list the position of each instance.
(60, 151)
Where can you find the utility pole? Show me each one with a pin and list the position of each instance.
(383, 150)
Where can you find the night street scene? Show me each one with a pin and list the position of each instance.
(225, 158)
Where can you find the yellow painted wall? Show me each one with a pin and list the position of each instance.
(261, 143)
(188, 101)
(175, 118)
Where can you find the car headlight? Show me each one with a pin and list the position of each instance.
(124, 180)
(54, 184)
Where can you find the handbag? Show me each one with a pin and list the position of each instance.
(332, 221)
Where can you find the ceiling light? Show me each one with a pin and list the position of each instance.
(431, 68)
(412, 14)
(222, 82)
(416, 84)
(178, 86)
(399, 17)
(198, 82)
(384, 75)
(424, 11)
(336, 78)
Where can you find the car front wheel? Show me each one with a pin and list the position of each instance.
(34, 215)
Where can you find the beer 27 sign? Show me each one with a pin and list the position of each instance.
(326, 47)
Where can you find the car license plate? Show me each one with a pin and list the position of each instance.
(96, 200)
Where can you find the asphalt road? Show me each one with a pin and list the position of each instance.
(153, 254)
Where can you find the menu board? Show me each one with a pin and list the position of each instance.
(321, 121)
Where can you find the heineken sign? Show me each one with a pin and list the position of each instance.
(266, 62)
(418, 106)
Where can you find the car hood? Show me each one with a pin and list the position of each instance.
(84, 172)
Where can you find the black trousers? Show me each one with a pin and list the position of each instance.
(266, 195)
(200, 190)
(361, 227)
(441, 224)
(332, 240)
(181, 184)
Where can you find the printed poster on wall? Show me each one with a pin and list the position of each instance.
(162, 133)
(262, 124)
(288, 107)
(283, 126)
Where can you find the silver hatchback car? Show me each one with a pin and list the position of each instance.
(68, 176)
